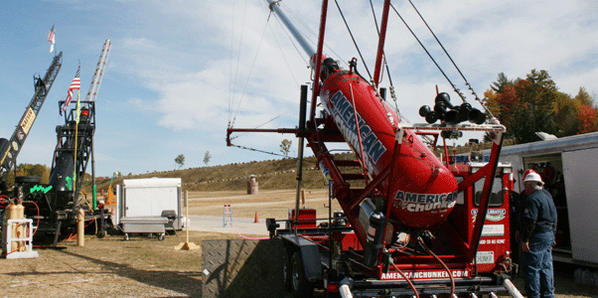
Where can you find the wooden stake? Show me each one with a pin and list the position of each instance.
(186, 245)
(81, 227)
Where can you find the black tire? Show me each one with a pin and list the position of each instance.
(28, 179)
(286, 271)
(101, 234)
(161, 237)
(300, 286)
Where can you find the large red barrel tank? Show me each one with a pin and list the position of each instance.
(423, 190)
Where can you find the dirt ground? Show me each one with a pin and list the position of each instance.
(146, 267)
(272, 203)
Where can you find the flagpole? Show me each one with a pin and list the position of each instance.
(77, 111)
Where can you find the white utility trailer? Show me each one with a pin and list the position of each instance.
(149, 206)
(569, 167)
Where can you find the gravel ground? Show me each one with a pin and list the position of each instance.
(146, 267)
(142, 267)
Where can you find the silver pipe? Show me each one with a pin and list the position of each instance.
(302, 41)
(512, 289)
(344, 289)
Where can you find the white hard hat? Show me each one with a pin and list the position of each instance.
(533, 177)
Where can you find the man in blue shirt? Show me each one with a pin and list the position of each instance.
(537, 238)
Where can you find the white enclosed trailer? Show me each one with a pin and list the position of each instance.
(149, 200)
(569, 167)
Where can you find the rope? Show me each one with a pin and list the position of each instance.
(453, 62)
(234, 82)
(249, 76)
(315, 36)
(391, 87)
(232, 122)
(353, 39)
(293, 42)
(282, 53)
(429, 55)
(256, 150)
(384, 54)
(442, 46)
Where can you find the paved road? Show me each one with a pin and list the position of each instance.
(241, 225)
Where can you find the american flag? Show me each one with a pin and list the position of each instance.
(75, 85)
(52, 39)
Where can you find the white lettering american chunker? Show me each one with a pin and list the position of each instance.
(416, 202)
(344, 116)
(424, 275)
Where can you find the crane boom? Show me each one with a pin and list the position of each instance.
(9, 149)
(275, 7)
(96, 81)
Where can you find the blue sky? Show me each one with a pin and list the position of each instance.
(180, 71)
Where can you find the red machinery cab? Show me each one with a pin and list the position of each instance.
(494, 246)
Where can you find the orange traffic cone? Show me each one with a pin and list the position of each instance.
(255, 220)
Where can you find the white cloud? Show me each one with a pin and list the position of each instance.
(231, 64)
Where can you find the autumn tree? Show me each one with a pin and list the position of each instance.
(534, 104)
(587, 116)
(586, 119)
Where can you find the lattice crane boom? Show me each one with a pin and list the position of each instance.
(96, 81)
(9, 149)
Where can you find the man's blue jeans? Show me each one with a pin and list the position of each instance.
(537, 266)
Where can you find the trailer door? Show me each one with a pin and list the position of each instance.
(580, 172)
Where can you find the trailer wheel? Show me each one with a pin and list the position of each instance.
(286, 271)
(101, 234)
(161, 237)
(300, 286)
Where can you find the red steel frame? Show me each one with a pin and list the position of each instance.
(350, 198)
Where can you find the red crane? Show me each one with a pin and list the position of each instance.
(409, 229)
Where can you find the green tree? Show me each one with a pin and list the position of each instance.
(207, 157)
(285, 147)
(584, 97)
(538, 95)
(566, 112)
(180, 160)
(501, 83)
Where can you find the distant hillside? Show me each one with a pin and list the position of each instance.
(270, 174)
